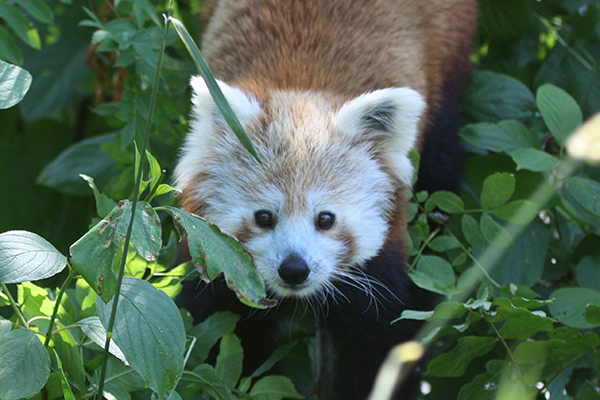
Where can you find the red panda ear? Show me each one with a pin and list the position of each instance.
(207, 124)
(393, 115)
(244, 105)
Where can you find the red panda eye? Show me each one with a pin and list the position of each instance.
(325, 220)
(263, 218)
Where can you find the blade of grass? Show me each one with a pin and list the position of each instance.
(214, 89)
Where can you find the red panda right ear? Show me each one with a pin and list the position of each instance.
(244, 105)
(207, 124)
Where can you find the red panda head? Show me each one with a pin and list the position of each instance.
(321, 204)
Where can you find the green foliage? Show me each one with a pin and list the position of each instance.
(514, 256)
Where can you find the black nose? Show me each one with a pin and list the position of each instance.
(293, 270)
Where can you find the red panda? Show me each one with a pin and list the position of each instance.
(333, 94)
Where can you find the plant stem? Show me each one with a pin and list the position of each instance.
(136, 194)
(14, 305)
(59, 296)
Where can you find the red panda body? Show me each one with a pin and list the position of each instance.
(333, 94)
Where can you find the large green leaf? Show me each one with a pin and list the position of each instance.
(435, 274)
(569, 306)
(497, 190)
(85, 157)
(24, 365)
(560, 111)
(455, 362)
(14, 84)
(149, 330)
(214, 252)
(9, 51)
(94, 254)
(585, 194)
(492, 97)
(208, 332)
(520, 323)
(93, 329)
(229, 360)
(505, 136)
(25, 256)
(534, 160)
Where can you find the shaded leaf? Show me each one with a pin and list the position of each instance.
(570, 304)
(229, 360)
(560, 111)
(149, 330)
(455, 362)
(520, 212)
(24, 365)
(274, 387)
(534, 160)
(447, 202)
(435, 274)
(493, 231)
(472, 231)
(497, 190)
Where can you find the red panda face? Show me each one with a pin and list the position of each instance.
(320, 204)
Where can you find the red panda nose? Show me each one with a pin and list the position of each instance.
(293, 270)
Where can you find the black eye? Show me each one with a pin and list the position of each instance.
(325, 220)
(263, 218)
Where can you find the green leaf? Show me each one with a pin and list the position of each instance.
(520, 323)
(485, 386)
(274, 387)
(588, 392)
(214, 89)
(570, 304)
(214, 252)
(560, 111)
(20, 25)
(435, 274)
(588, 272)
(506, 20)
(9, 51)
(149, 330)
(93, 329)
(535, 351)
(25, 256)
(585, 193)
(447, 202)
(5, 325)
(492, 96)
(94, 254)
(472, 231)
(443, 243)
(534, 160)
(520, 212)
(455, 362)
(24, 365)
(82, 158)
(67, 392)
(494, 232)
(229, 360)
(14, 84)
(211, 383)
(209, 332)
(38, 9)
(523, 263)
(497, 190)
(506, 136)
(592, 314)
(573, 342)
(104, 205)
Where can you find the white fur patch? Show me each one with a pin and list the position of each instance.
(392, 112)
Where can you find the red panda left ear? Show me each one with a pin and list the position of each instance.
(393, 115)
